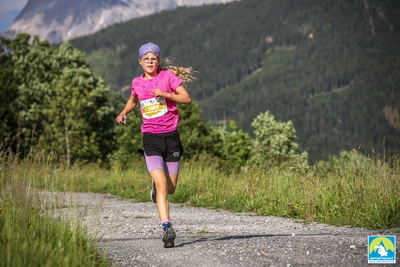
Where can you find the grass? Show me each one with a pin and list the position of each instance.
(30, 233)
(346, 190)
(362, 194)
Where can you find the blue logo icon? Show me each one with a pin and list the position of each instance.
(381, 249)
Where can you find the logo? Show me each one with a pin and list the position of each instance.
(381, 249)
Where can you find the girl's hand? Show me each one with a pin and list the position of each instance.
(158, 92)
(121, 118)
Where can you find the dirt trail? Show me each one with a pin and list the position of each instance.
(130, 236)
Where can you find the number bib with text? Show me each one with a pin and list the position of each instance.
(153, 108)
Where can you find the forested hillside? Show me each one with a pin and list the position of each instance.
(332, 67)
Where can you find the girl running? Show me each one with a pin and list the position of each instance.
(157, 91)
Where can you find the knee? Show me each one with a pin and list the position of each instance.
(162, 188)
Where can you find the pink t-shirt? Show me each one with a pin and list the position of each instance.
(167, 81)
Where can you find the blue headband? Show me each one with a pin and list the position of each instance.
(149, 47)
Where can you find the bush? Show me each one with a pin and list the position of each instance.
(274, 142)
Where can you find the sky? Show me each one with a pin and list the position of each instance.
(9, 9)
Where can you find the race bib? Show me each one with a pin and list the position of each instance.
(153, 108)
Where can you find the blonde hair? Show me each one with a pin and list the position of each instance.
(186, 74)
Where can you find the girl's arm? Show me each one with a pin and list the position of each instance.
(130, 105)
(180, 96)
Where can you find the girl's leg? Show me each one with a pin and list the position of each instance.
(163, 166)
(165, 177)
(172, 182)
(165, 185)
(161, 181)
(172, 171)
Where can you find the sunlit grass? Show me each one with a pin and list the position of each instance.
(30, 233)
(347, 190)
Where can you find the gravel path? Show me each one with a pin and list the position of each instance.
(129, 234)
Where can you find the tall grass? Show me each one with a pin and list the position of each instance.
(30, 233)
(349, 190)
(346, 190)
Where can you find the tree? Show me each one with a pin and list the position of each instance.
(79, 116)
(8, 96)
(196, 135)
(61, 105)
(128, 139)
(234, 145)
(274, 142)
(35, 71)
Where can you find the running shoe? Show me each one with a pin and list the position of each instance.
(153, 192)
(169, 235)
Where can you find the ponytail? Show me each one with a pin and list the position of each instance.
(186, 74)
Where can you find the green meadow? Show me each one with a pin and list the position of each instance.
(346, 190)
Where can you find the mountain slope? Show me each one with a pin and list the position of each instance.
(66, 19)
(332, 67)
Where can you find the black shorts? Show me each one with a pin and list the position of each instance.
(166, 145)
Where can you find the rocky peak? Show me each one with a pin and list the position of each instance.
(58, 20)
